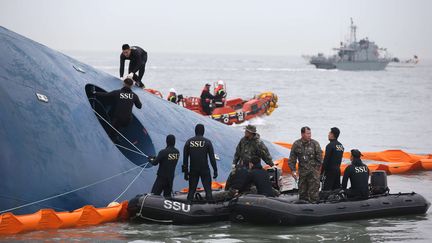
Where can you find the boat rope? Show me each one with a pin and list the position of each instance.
(140, 152)
(26, 201)
(142, 205)
(109, 124)
(130, 184)
(99, 181)
(71, 191)
(139, 214)
(128, 149)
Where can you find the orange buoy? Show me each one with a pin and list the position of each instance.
(49, 219)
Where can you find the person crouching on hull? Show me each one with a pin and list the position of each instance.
(309, 155)
(358, 173)
(199, 149)
(167, 159)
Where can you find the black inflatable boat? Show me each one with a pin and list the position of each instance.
(287, 210)
(177, 210)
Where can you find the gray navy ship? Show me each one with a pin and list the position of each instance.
(353, 55)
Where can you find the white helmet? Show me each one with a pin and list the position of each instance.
(220, 82)
(172, 90)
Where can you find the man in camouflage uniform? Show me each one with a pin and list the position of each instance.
(309, 155)
(251, 146)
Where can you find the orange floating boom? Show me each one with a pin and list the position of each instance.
(392, 168)
(49, 219)
(385, 156)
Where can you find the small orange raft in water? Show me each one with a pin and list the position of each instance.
(46, 219)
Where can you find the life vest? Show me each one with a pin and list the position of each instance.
(172, 97)
(219, 89)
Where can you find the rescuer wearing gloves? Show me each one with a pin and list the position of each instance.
(138, 60)
(167, 159)
(199, 149)
(122, 101)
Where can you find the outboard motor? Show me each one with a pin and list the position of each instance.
(379, 182)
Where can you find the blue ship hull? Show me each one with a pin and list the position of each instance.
(54, 147)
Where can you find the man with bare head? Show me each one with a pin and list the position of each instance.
(309, 156)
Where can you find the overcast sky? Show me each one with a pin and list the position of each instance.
(222, 26)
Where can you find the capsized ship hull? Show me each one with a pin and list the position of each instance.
(51, 142)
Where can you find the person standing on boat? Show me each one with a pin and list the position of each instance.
(220, 94)
(199, 149)
(251, 146)
(138, 60)
(167, 159)
(122, 101)
(206, 99)
(358, 173)
(309, 156)
(330, 170)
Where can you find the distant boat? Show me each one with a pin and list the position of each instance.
(322, 62)
(353, 55)
(409, 63)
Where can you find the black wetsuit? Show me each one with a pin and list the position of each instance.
(237, 179)
(122, 101)
(331, 165)
(260, 178)
(358, 173)
(199, 149)
(138, 59)
(206, 99)
(167, 160)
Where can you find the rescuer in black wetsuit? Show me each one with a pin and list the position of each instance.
(330, 170)
(122, 101)
(167, 159)
(199, 149)
(358, 173)
(206, 99)
(260, 178)
(237, 180)
(138, 59)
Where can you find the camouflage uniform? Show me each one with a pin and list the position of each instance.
(248, 148)
(309, 156)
